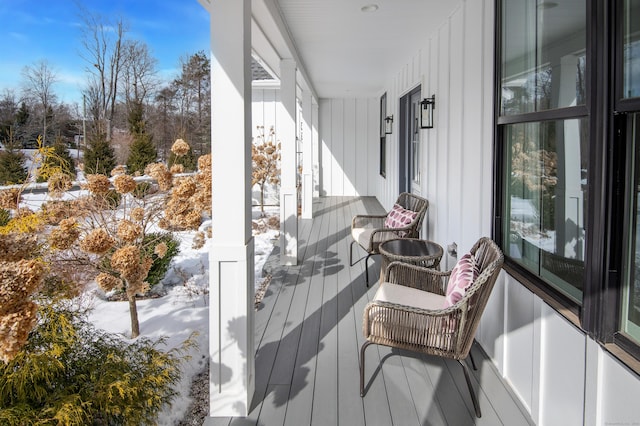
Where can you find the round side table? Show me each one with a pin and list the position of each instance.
(410, 250)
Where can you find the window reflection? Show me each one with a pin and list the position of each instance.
(546, 175)
(631, 292)
(631, 49)
(543, 48)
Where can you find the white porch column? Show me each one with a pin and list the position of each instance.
(288, 190)
(316, 150)
(231, 258)
(307, 155)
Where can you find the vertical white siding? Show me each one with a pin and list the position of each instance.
(264, 108)
(264, 112)
(349, 144)
(361, 141)
(348, 137)
(562, 359)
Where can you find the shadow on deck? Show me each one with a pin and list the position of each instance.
(308, 333)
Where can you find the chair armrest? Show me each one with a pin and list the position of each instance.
(371, 221)
(425, 279)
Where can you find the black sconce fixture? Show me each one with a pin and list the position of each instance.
(388, 121)
(426, 112)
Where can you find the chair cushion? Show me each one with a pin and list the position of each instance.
(362, 236)
(408, 296)
(399, 217)
(462, 276)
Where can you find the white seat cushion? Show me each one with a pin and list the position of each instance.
(362, 236)
(407, 296)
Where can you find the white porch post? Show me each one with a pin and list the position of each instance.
(231, 258)
(288, 190)
(307, 155)
(315, 167)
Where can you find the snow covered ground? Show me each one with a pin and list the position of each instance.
(182, 309)
(176, 315)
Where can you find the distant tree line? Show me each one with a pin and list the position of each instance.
(127, 112)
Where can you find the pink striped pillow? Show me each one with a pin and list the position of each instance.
(399, 217)
(462, 276)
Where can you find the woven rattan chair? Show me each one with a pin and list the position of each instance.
(369, 230)
(408, 311)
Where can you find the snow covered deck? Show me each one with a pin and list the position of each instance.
(308, 333)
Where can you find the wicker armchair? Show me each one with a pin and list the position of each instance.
(408, 310)
(369, 230)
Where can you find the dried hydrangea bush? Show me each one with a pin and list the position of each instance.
(91, 238)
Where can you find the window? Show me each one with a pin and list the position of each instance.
(629, 128)
(544, 141)
(383, 136)
(630, 318)
(543, 56)
(631, 49)
(567, 151)
(545, 183)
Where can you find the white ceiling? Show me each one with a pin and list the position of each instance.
(341, 50)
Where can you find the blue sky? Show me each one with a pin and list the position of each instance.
(34, 30)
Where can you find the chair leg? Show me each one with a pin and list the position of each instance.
(351, 253)
(362, 349)
(476, 405)
(366, 269)
(473, 362)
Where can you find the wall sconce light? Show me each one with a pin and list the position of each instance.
(388, 121)
(426, 112)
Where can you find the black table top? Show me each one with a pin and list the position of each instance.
(411, 247)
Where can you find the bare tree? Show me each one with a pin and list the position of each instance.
(193, 89)
(139, 72)
(38, 85)
(162, 120)
(103, 44)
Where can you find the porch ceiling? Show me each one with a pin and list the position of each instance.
(343, 51)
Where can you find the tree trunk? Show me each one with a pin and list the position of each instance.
(262, 198)
(133, 311)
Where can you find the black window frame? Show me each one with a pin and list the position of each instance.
(383, 136)
(599, 314)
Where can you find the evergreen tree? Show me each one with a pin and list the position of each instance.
(188, 161)
(12, 166)
(142, 151)
(99, 157)
(58, 159)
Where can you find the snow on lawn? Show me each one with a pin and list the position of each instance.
(182, 309)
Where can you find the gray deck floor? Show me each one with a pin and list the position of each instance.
(308, 334)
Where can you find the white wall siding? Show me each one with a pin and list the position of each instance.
(264, 112)
(618, 394)
(264, 108)
(349, 144)
(562, 359)
(521, 328)
(348, 133)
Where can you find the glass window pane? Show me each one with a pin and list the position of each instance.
(545, 200)
(631, 291)
(631, 49)
(543, 55)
